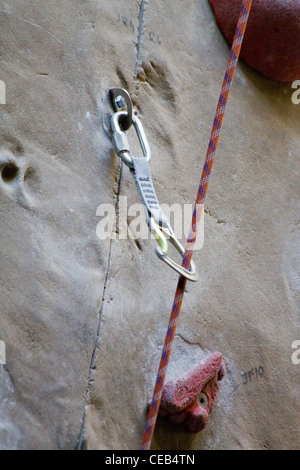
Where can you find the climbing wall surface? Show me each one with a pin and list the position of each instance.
(84, 319)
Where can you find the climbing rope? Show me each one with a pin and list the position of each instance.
(198, 209)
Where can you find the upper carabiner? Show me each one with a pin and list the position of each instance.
(120, 140)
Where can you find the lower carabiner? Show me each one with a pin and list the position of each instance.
(162, 251)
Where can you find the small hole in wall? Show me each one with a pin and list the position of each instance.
(9, 172)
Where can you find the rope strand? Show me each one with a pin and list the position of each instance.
(198, 209)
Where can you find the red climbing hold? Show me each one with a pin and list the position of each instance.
(190, 398)
(272, 40)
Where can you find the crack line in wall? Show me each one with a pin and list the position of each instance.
(81, 443)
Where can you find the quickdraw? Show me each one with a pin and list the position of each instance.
(157, 222)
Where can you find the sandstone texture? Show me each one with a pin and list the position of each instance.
(84, 319)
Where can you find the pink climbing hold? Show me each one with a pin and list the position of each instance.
(190, 399)
(272, 41)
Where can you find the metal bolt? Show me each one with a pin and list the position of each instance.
(120, 103)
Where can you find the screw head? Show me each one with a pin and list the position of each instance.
(180, 393)
(120, 102)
